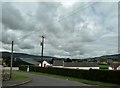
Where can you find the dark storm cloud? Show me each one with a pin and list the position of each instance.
(11, 17)
(8, 36)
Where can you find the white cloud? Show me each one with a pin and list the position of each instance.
(89, 32)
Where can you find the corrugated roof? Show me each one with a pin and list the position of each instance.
(115, 65)
(58, 63)
(75, 64)
(30, 60)
(81, 64)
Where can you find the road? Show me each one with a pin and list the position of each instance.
(42, 80)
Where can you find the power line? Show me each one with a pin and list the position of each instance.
(76, 11)
(73, 13)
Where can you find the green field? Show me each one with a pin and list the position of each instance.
(103, 66)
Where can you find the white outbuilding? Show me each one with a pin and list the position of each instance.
(45, 64)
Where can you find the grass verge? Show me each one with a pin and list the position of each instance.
(16, 76)
(89, 82)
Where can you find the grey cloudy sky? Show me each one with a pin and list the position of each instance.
(71, 29)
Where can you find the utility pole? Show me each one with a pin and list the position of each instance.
(42, 44)
(11, 62)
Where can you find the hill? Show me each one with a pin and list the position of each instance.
(115, 57)
(22, 55)
(106, 58)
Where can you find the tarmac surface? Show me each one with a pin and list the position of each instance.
(15, 82)
(48, 81)
(42, 80)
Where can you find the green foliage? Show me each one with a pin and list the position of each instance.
(95, 75)
(23, 67)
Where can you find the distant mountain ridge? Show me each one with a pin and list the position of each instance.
(22, 55)
(115, 57)
(108, 56)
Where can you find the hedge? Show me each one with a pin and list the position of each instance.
(96, 75)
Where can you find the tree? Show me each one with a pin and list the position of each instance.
(68, 60)
(51, 61)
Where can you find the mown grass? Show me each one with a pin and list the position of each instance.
(89, 82)
(16, 76)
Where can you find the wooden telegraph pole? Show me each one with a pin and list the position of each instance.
(42, 44)
(11, 62)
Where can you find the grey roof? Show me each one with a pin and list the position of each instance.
(30, 61)
(115, 65)
(58, 63)
(81, 64)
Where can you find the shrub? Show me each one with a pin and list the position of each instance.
(23, 67)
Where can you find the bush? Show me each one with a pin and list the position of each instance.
(23, 67)
(96, 75)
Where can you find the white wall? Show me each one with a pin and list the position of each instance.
(85, 68)
(118, 68)
(110, 68)
(13, 68)
(57, 66)
(44, 62)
